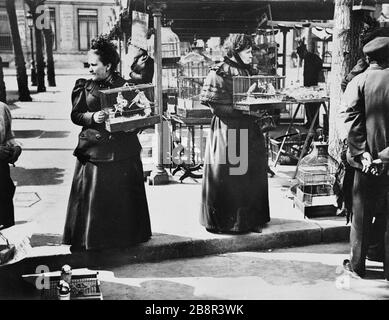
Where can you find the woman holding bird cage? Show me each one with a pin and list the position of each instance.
(107, 205)
(233, 201)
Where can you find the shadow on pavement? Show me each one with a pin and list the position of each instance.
(25, 134)
(37, 177)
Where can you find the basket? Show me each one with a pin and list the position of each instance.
(7, 251)
(82, 287)
(291, 150)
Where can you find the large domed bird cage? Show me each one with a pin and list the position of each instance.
(316, 177)
(171, 54)
(194, 68)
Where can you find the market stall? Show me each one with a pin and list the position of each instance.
(189, 114)
(214, 18)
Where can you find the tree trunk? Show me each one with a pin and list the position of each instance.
(50, 59)
(40, 62)
(3, 94)
(339, 68)
(21, 74)
(356, 26)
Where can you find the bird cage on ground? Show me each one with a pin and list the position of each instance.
(316, 177)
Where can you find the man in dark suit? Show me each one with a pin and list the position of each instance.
(312, 67)
(367, 99)
(376, 246)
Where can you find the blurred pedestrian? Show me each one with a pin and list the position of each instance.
(9, 154)
(313, 66)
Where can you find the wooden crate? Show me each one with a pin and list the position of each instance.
(128, 124)
(315, 211)
(83, 287)
(194, 113)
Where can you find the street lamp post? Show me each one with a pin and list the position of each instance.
(30, 22)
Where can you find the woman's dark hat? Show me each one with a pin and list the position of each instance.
(377, 44)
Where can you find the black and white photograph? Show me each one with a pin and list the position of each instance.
(194, 156)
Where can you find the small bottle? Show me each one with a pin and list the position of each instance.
(66, 273)
(63, 290)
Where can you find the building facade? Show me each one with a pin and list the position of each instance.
(73, 23)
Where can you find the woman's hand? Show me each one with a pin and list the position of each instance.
(5, 152)
(99, 116)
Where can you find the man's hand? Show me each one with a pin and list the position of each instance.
(99, 116)
(5, 152)
(376, 167)
(16, 151)
(366, 160)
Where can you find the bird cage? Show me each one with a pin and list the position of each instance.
(257, 90)
(171, 54)
(188, 101)
(195, 63)
(129, 107)
(316, 177)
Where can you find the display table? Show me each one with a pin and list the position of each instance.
(323, 102)
(178, 122)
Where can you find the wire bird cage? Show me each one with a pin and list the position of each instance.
(316, 177)
(129, 107)
(195, 64)
(82, 287)
(188, 102)
(258, 89)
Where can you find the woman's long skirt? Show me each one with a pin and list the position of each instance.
(235, 201)
(7, 191)
(107, 206)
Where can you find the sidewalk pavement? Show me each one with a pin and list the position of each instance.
(44, 174)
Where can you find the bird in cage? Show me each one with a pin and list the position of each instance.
(140, 106)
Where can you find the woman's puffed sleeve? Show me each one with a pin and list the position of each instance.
(215, 95)
(80, 114)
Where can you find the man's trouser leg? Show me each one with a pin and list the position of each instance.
(386, 249)
(376, 251)
(363, 204)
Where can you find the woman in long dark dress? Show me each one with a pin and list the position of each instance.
(107, 204)
(233, 202)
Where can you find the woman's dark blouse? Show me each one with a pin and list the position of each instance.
(86, 101)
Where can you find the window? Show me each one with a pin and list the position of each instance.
(5, 31)
(87, 28)
(53, 25)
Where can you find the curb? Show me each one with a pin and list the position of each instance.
(165, 247)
